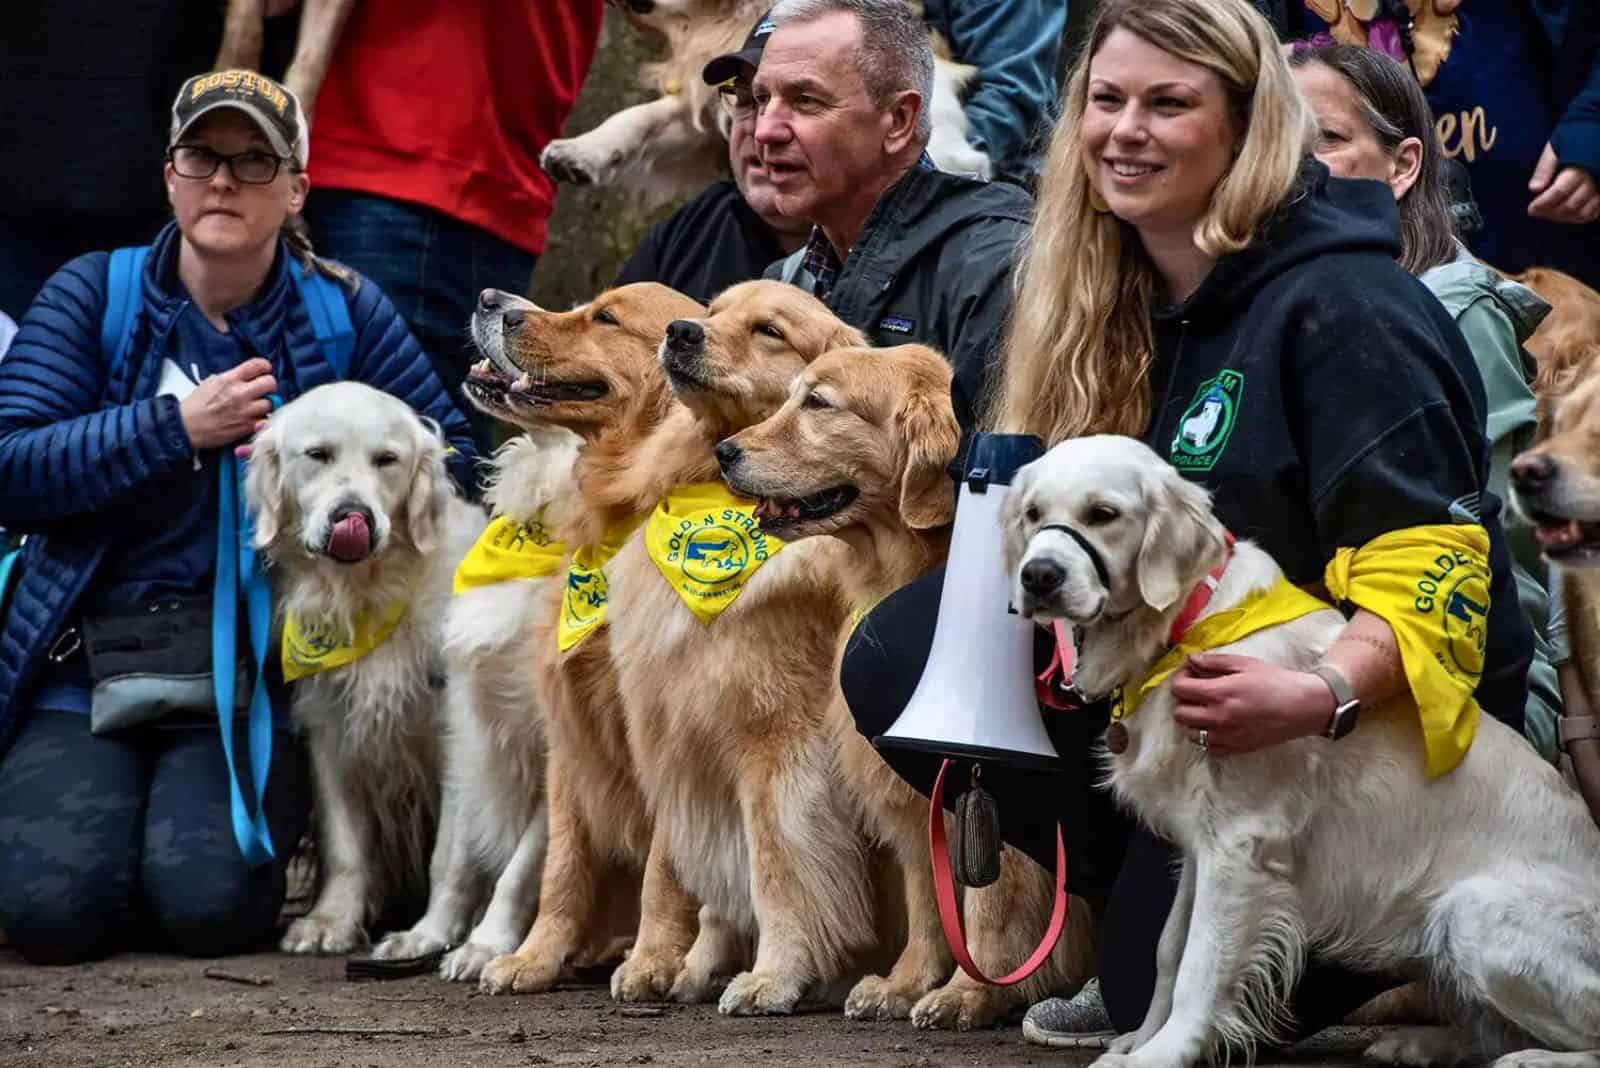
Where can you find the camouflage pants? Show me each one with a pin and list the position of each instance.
(126, 842)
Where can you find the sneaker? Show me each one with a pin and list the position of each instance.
(1079, 1022)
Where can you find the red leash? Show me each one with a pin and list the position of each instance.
(944, 890)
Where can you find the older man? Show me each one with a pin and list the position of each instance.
(898, 249)
(732, 231)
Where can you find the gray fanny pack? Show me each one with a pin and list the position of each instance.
(152, 665)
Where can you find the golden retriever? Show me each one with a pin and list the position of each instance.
(879, 422)
(725, 717)
(362, 529)
(1487, 878)
(593, 371)
(671, 146)
(492, 826)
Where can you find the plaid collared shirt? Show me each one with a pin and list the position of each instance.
(822, 261)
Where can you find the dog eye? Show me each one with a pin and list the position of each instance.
(769, 330)
(604, 316)
(1102, 514)
(816, 400)
(385, 459)
(319, 454)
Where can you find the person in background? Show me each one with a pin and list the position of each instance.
(732, 231)
(114, 466)
(1374, 123)
(425, 155)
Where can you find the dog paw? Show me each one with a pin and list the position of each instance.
(957, 1008)
(466, 963)
(644, 977)
(879, 998)
(762, 994)
(323, 934)
(1418, 1047)
(404, 945)
(517, 974)
(577, 162)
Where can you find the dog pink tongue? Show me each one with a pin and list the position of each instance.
(1559, 535)
(350, 540)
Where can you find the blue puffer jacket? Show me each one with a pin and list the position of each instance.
(76, 449)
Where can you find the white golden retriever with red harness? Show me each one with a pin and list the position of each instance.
(1485, 880)
(363, 530)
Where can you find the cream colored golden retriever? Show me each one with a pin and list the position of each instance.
(362, 531)
(671, 146)
(875, 426)
(593, 371)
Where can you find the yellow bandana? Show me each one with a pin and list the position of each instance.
(1268, 608)
(583, 605)
(510, 549)
(707, 545)
(1431, 585)
(308, 652)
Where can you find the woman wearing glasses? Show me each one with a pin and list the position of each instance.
(116, 829)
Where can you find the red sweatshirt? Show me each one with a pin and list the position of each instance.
(448, 105)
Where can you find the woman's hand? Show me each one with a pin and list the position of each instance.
(226, 407)
(1244, 704)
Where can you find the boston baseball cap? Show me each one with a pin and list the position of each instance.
(269, 105)
(727, 67)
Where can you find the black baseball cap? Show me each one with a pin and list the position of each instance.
(269, 104)
(726, 68)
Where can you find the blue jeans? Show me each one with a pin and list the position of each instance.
(126, 842)
(431, 266)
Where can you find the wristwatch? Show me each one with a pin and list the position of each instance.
(1346, 707)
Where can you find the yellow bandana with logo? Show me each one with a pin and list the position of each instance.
(583, 604)
(707, 544)
(510, 549)
(1431, 585)
(309, 651)
(1267, 608)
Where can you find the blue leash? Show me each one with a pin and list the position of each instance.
(236, 556)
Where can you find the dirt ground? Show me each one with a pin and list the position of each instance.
(145, 1011)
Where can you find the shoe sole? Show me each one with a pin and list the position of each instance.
(1066, 1039)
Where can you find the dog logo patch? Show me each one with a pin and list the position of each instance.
(1207, 423)
(707, 545)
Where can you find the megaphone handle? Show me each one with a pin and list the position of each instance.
(944, 890)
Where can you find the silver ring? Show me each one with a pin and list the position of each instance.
(1205, 738)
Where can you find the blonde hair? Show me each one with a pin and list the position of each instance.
(1079, 347)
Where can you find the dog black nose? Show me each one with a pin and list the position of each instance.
(685, 334)
(1042, 576)
(728, 454)
(489, 300)
(512, 319)
(1532, 470)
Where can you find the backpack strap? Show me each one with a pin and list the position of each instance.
(124, 294)
(330, 316)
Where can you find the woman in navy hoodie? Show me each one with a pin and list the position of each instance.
(109, 461)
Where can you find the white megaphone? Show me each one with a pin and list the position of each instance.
(976, 698)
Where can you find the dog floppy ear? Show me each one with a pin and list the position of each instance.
(927, 427)
(1179, 529)
(430, 485)
(263, 486)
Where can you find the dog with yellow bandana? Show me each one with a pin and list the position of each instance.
(1429, 838)
(363, 531)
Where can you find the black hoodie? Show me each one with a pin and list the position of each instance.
(1326, 397)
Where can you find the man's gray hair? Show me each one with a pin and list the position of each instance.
(894, 55)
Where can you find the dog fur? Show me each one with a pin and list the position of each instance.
(492, 824)
(674, 144)
(1483, 879)
(372, 725)
(599, 827)
(725, 721)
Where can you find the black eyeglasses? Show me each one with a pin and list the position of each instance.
(737, 100)
(252, 167)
